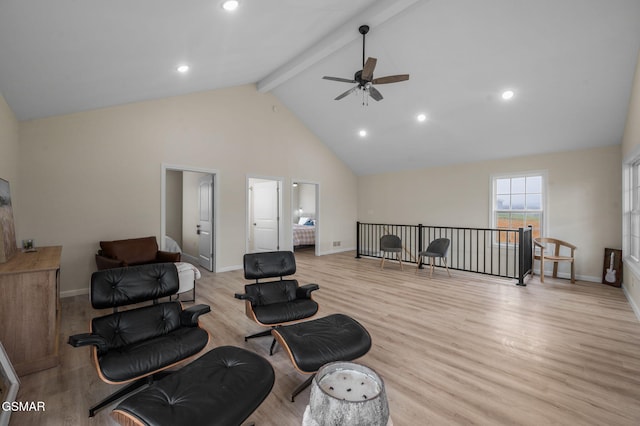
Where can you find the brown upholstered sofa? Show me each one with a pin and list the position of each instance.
(134, 251)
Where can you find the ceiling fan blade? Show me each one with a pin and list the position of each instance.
(375, 94)
(367, 70)
(390, 79)
(343, 80)
(348, 92)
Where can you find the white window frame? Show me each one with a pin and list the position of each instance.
(631, 211)
(545, 190)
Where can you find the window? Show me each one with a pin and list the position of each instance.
(518, 201)
(631, 211)
(634, 213)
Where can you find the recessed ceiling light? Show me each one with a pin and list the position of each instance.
(421, 117)
(362, 133)
(183, 68)
(230, 5)
(507, 94)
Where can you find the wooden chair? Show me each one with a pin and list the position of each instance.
(552, 254)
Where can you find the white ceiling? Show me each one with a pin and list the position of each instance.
(570, 63)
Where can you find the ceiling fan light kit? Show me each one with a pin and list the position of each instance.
(364, 78)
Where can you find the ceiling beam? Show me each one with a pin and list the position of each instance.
(373, 16)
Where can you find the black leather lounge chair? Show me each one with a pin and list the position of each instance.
(274, 303)
(136, 345)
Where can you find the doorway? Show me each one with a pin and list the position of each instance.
(188, 214)
(264, 207)
(305, 216)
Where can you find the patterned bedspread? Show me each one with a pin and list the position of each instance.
(304, 235)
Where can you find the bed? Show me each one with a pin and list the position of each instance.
(304, 235)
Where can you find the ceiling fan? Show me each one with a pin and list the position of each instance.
(364, 77)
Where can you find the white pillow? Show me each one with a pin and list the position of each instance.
(303, 220)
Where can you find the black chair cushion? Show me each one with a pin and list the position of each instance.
(126, 327)
(146, 339)
(126, 286)
(221, 388)
(278, 313)
(317, 342)
(269, 264)
(138, 359)
(272, 292)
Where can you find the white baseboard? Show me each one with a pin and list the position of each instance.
(336, 250)
(589, 278)
(229, 268)
(634, 307)
(567, 275)
(77, 292)
(237, 267)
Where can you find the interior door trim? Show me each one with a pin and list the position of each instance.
(216, 202)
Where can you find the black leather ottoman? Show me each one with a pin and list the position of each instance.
(312, 344)
(222, 387)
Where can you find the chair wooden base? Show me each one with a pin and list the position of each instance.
(543, 256)
(398, 258)
(431, 265)
(555, 260)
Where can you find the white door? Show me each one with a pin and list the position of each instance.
(205, 222)
(266, 220)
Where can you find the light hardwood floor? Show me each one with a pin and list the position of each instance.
(469, 349)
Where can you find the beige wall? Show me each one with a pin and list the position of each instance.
(583, 203)
(96, 175)
(631, 143)
(173, 218)
(9, 151)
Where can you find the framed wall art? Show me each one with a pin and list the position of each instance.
(612, 268)
(8, 245)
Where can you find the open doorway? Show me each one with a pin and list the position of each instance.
(188, 214)
(264, 207)
(304, 203)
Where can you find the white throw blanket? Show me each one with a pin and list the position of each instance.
(184, 266)
(171, 245)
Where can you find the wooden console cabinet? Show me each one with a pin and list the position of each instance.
(30, 309)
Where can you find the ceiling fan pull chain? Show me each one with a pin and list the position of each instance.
(364, 77)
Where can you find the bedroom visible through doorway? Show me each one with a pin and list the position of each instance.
(304, 203)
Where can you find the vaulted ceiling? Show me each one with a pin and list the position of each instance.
(570, 64)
